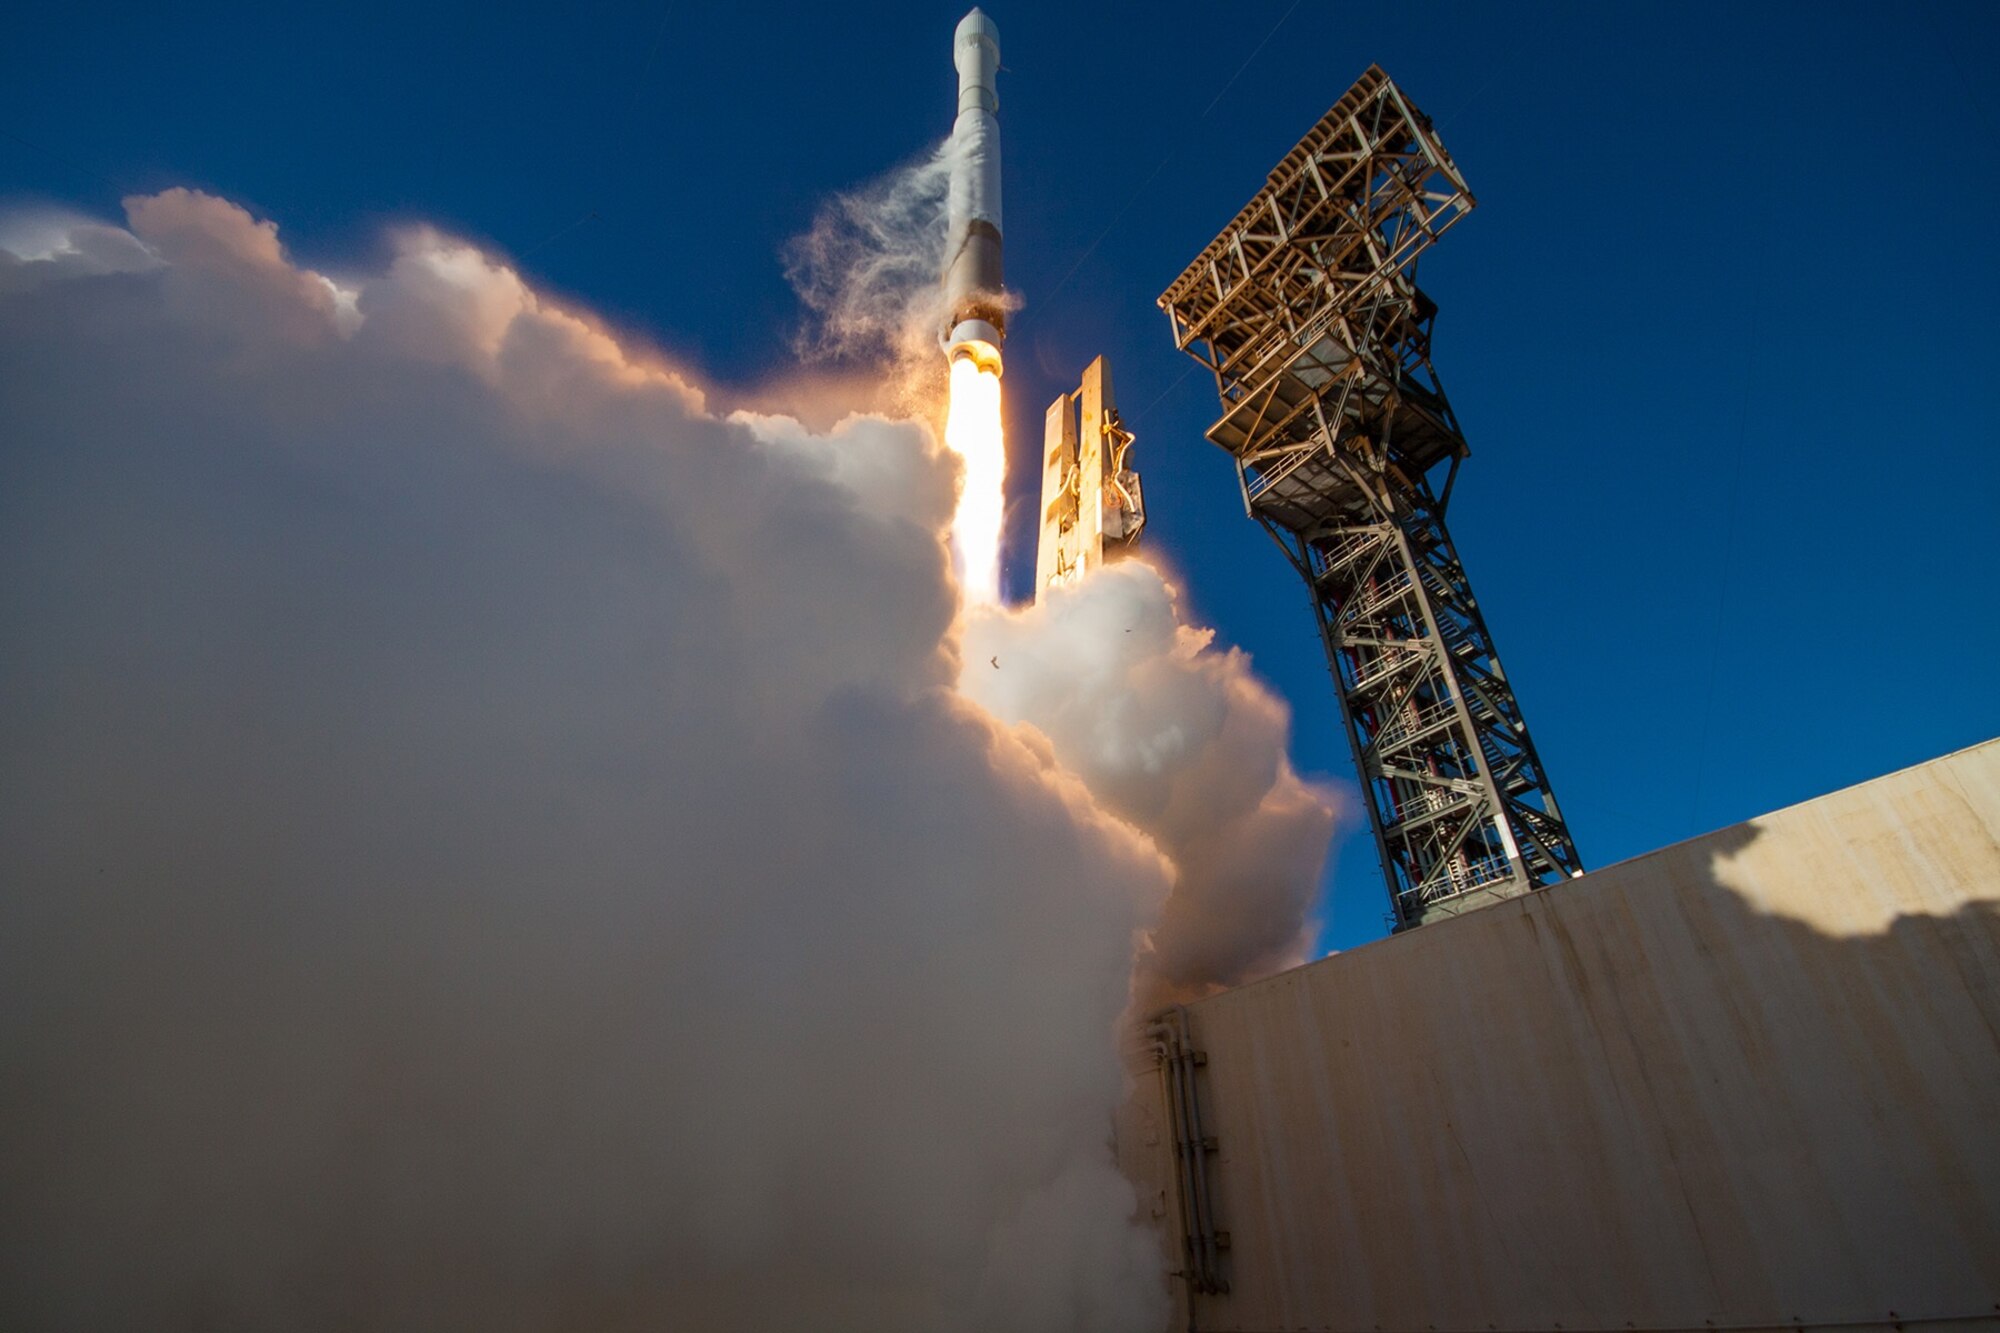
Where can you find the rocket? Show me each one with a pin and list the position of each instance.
(975, 308)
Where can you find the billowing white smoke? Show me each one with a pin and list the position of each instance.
(488, 844)
(1181, 741)
(1176, 738)
(870, 273)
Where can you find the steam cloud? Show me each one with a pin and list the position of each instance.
(869, 272)
(1177, 739)
(1181, 741)
(491, 843)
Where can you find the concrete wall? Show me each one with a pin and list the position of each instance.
(1750, 1079)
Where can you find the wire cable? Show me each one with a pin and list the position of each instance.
(1047, 302)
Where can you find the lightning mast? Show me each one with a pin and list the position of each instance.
(1307, 311)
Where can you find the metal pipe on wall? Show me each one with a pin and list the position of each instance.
(1173, 1041)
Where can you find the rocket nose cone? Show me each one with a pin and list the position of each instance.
(976, 25)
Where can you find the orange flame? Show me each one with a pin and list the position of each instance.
(973, 431)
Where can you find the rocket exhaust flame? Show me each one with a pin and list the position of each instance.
(973, 431)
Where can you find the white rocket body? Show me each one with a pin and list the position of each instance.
(976, 315)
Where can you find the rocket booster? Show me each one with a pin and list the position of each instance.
(975, 309)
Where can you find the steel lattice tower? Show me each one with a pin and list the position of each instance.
(1307, 311)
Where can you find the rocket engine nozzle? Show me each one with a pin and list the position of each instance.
(976, 341)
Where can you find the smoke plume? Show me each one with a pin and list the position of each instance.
(1177, 739)
(1181, 741)
(491, 844)
(869, 273)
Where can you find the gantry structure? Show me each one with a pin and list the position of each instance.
(1307, 311)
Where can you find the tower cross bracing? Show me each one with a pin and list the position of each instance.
(1307, 312)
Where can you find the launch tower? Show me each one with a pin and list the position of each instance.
(1307, 311)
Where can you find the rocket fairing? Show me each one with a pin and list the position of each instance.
(976, 315)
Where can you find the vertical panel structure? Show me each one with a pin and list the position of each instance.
(1307, 312)
(1092, 506)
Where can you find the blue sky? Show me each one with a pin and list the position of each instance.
(1721, 332)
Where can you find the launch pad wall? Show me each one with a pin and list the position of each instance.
(1750, 1081)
